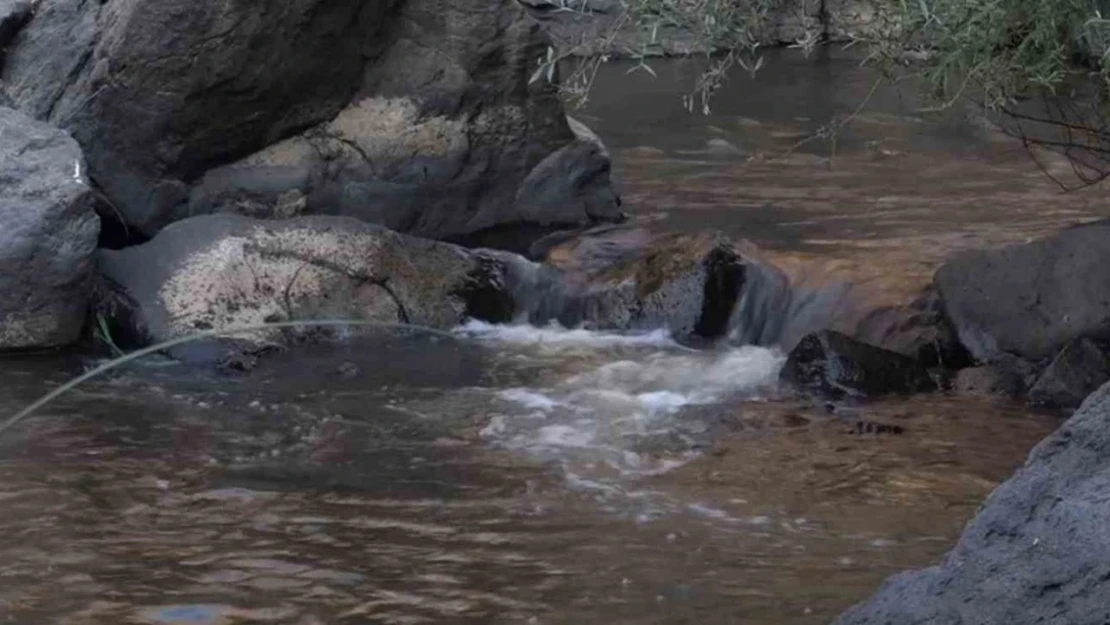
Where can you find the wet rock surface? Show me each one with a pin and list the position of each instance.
(223, 271)
(415, 114)
(693, 285)
(48, 233)
(1030, 300)
(1076, 372)
(1038, 550)
(834, 365)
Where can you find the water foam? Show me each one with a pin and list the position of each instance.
(628, 413)
(555, 335)
(646, 409)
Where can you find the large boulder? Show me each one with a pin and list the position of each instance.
(48, 234)
(834, 365)
(415, 114)
(222, 271)
(1038, 551)
(1030, 300)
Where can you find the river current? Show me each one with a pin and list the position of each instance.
(514, 474)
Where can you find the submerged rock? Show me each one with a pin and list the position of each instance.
(415, 114)
(1076, 372)
(835, 365)
(1038, 551)
(48, 233)
(222, 271)
(1030, 300)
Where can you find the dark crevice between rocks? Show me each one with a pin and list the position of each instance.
(724, 280)
(486, 294)
(12, 20)
(113, 311)
(115, 234)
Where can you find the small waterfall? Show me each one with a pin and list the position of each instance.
(744, 300)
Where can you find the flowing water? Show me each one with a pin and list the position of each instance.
(543, 475)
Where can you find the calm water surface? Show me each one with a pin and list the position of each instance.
(523, 475)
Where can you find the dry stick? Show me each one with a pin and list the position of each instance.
(146, 351)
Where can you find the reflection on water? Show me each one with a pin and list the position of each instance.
(898, 191)
(340, 495)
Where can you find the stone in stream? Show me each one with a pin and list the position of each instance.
(48, 233)
(1077, 371)
(835, 365)
(1038, 551)
(220, 271)
(415, 114)
(1030, 300)
(695, 285)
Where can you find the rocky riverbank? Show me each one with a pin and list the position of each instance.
(393, 162)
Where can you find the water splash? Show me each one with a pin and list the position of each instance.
(646, 410)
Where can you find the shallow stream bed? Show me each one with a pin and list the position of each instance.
(525, 475)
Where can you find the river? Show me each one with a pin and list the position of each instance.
(543, 475)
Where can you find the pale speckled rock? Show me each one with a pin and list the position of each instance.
(48, 234)
(223, 271)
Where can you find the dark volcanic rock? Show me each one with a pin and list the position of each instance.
(1038, 551)
(919, 330)
(1030, 300)
(223, 271)
(835, 365)
(1076, 372)
(48, 232)
(414, 114)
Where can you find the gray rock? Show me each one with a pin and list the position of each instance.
(1030, 300)
(919, 329)
(48, 233)
(835, 365)
(695, 285)
(1038, 551)
(222, 271)
(982, 380)
(1076, 372)
(415, 114)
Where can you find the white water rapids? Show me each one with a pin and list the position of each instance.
(633, 412)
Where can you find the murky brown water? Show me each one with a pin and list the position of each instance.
(168, 496)
(900, 189)
(540, 476)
